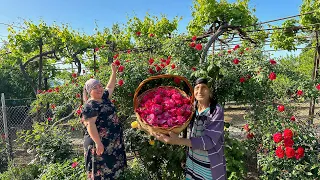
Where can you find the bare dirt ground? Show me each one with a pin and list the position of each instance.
(234, 115)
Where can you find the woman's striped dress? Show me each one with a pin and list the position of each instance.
(198, 163)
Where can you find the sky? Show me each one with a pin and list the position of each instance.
(84, 15)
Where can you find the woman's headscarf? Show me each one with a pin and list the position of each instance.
(87, 88)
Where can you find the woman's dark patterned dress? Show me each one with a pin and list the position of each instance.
(113, 160)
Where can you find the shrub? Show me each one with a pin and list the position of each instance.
(67, 170)
(50, 145)
(29, 172)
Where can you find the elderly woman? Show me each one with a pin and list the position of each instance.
(205, 158)
(105, 156)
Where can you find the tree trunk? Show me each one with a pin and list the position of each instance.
(40, 66)
(314, 77)
(27, 77)
(215, 36)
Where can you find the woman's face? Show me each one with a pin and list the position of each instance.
(97, 91)
(202, 92)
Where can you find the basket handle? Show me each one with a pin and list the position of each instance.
(135, 97)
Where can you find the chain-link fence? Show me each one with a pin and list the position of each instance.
(20, 118)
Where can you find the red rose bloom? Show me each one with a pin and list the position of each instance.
(192, 44)
(246, 127)
(288, 142)
(151, 61)
(242, 79)
(151, 71)
(158, 68)
(293, 118)
(281, 108)
(299, 92)
(287, 134)
(120, 82)
(272, 61)
(198, 47)
(290, 153)
(177, 80)
(272, 76)
(277, 137)
(279, 152)
(299, 152)
(121, 68)
(117, 62)
(250, 135)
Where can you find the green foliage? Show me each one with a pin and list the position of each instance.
(270, 121)
(3, 156)
(288, 37)
(312, 18)
(49, 144)
(235, 153)
(64, 170)
(161, 161)
(135, 171)
(28, 172)
(301, 64)
(208, 12)
(16, 87)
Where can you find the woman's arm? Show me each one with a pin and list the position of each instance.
(112, 81)
(90, 124)
(173, 139)
(212, 134)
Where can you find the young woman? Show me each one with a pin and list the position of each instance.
(105, 156)
(205, 158)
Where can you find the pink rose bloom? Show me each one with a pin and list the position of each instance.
(169, 103)
(158, 99)
(156, 109)
(187, 113)
(180, 111)
(176, 96)
(173, 111)
(170, 122)
(161, 121)
(186, 101)
(181, 119)
(179, 103)
(151, 118)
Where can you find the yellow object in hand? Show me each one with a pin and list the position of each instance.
(151, 142)
(134, 124)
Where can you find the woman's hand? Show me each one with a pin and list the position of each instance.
(113, 68)
(173, 138)
(99, 149)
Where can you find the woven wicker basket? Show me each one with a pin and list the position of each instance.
(152, 129)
